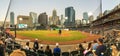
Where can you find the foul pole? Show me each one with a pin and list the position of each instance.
(7, 13)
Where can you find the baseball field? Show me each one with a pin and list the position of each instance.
(51, 37)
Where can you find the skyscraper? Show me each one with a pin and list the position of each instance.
(54, 13)
(70, 14)
(33, 16)
(85, 18)
(50, 20)
(54, 19)
(43, 19)
(85, 15)
(11, 19)
(62, 20)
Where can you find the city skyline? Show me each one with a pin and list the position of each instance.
(38, 6)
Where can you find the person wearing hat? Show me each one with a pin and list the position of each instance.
(36, 45)
(57, 50)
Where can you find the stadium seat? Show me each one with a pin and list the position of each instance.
(29, 53)
(56, 54)
(74, 53)
(80, 53)
(9, 51)
(40, 53)
(119, 46)
(108, 51)
(65, 54)
(33, 53)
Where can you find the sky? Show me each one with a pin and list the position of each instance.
(23, 7)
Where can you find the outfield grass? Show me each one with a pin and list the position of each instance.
(47, 35)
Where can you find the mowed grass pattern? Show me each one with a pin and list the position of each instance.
(46, 35)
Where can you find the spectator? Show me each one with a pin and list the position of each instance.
(94, 46)
(41, 50)
(57, 50)
(101, 48)
(8, 40)
(2, 37)
(48, 51)
(2, 50)
(27, 46)
(8, 43)
(88, 50)
(114, 50)
(118, 53)
(81, 49)
(36, 45)
(18, 52)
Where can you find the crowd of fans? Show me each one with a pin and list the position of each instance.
(105, 46)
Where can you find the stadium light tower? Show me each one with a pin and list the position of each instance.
(7, 13)
(100, 6)
(101, 14)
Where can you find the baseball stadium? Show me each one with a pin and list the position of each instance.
(59, 28)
